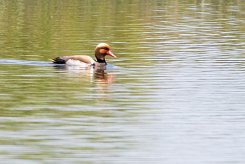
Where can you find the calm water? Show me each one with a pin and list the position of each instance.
(176, 94)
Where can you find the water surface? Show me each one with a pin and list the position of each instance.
(176, 94)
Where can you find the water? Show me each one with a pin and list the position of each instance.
(176, 94)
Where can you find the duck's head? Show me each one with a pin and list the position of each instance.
(102, 50)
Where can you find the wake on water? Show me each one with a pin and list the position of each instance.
(38, 63)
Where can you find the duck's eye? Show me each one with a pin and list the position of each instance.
(105, 48)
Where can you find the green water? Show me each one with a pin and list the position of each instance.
(175, 94)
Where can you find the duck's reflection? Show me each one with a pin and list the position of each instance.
(97, 75)
(100, 75)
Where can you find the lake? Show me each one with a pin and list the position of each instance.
(175, 94)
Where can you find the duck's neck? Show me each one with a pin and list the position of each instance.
(101, 61)
(100, 58)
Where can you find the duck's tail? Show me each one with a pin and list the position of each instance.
(59, 60)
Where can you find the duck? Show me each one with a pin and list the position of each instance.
(101, 51)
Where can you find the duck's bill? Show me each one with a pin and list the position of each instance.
(109, 53)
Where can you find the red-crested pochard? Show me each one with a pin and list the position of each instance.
(101, 50)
